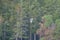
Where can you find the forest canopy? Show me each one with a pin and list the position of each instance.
(15, 18)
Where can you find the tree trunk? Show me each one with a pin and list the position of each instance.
(30, 35)
(17, 36)
(34, 36)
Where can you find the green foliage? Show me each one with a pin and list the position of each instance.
(48, 20)
(42, 38)
(57, 30)
(17, 13)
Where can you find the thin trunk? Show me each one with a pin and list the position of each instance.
(4, 32)
(34, 36)
(30, 35)
(16, 36)
(21, 38)
(4, 35)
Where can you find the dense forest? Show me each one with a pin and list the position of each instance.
(29, 19)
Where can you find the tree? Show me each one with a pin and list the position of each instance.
(47, 20)
(57, 30)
